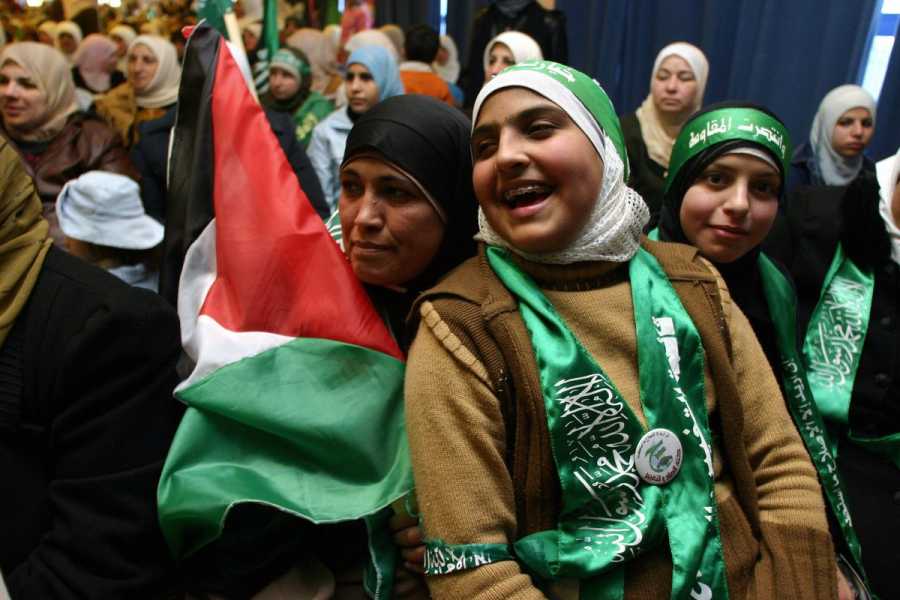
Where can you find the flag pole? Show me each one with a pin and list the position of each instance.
(234, 36)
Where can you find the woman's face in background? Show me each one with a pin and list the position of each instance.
(499, 58)
(853, 132)
(142, 67)
(674, 87)
(22, 104)
(362, 90)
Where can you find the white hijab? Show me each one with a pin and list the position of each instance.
(834, 168)
(371, 37)
(659, 143)
(450, 71)
(72, 29)
(163, 88)
(613, 230)
(523, 47)
(888, 171)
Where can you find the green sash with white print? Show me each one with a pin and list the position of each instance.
(610, 515)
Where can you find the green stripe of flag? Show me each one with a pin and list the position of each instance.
(313, 427)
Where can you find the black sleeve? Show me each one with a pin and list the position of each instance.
(559, 40)
(283, 126)
(153, 183)
(472, 78)
(111, 418)
(863, 233)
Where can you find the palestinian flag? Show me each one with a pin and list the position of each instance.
(295, 399)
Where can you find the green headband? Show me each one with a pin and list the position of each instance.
(726, 124)
(286, 58)
(589, 93)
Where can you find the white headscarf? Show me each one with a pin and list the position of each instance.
(659, 143)
(163, 88)
(371, 37)
(48, 27)
(834, 168)
(124, 33)
(51, 72)
(523, 47)
(450, 71)
(72, 29)
(613, 230)
(888, 172)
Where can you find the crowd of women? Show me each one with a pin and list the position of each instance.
(647, 356)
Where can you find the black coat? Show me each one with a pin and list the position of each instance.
(547, 27)
(805, 239)
(150, 154)
(86, 419)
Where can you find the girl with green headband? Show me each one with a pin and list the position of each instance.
(290, 78)
(722, 196)
(589, 414)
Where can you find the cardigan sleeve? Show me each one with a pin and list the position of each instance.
(110, 420)
(457, 441)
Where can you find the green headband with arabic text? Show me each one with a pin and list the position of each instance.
(727, 124)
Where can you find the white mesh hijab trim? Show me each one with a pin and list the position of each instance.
(613, 229)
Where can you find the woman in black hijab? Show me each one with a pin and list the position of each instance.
(408, 212)
(725, 184)
(408, 216)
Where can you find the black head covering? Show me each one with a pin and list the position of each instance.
(430, 141)
(742, 276)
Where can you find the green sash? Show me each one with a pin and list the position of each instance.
(782, 304)
(833, 347)
(609, 514)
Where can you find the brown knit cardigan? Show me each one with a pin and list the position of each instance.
(470, 323)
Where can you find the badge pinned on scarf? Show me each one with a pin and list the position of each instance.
(658, 456)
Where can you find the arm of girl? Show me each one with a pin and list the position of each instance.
(457, 441)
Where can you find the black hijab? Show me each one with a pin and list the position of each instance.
(742, 276)
(429, 141)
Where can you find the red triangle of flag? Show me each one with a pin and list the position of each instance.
(278, 269)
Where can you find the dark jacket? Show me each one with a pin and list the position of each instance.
(647, 178)
(547, 27)
(150, 154)
(805, 239)
(803, 170)
(86, 419)
(86, 143)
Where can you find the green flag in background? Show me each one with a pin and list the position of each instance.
(331, 12)
(214, 12)
(268, 46)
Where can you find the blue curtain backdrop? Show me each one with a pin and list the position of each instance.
(887, 127)
(408, 12)
(786, 55)
(460, 14)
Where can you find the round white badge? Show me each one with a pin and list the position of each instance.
(658, 456)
